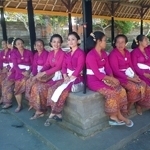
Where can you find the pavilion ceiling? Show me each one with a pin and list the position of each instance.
(125, 11)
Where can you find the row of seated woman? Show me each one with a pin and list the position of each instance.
(47, 78)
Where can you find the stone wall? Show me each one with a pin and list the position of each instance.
(17, 29)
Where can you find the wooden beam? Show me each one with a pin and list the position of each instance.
(7, 3)
(36, 4)
(47, 3)
(129, 4)
(52, 13)
(18, 5)
(79, 7)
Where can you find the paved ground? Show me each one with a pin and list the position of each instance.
(140, 143)
(17, 138)
(21, 138)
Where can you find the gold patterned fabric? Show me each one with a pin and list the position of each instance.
(135, 91)
(115, 99)
(56, 108)
(7, 91)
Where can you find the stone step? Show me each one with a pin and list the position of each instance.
(57, 138)
(84, 115)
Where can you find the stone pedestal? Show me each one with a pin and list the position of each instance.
(84, 113)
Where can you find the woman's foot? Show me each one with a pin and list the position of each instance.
(37, 115)
(6, 106)
(30, 108)
(125, 114)
(18, 109)
(138, 110)
(129, 112)
(129, 123)
(49, 121)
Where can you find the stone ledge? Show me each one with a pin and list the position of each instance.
(84, 113)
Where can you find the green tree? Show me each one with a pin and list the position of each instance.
(124, 27)
(101, 24)
(58, 23)
(121, 26)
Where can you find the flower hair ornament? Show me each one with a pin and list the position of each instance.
(136, 41)
(92, 34)
(13, 40)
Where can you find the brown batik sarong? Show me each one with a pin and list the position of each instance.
(116, 99)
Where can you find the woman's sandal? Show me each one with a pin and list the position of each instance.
(130, 124)
(36, 116)
(6, 106)
(138, 110)
(50, 120)
(116, 123)
(18, 109)
(57, 118)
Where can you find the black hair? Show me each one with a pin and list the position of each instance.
(40, 40)
(55, 36)
(11, 40)
(136, 41)
(93, 38)
(119, 36)
(76, 35)
(15, 40)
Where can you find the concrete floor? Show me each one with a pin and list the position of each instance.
(34, 136)
(140, 143)
(12, 138)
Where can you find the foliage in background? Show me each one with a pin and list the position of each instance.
(124, 27)
(59, 24)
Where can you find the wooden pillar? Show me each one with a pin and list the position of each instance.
(112, 8)
(141, 27)
(87, 29)
(69, 5)
(31, 24)
(87, 16)
(142, 12)
(3, 22)
(112, 30)
(112, 23)
(70, 21)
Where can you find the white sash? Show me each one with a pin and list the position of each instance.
(11, 65)
(143, 66)
(57, 76)
(90, 72)
(39, 68)
(69, 72)
(60, 89)
(24, 67)
(5, 64)
(128, 72)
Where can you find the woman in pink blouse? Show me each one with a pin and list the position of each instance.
(22, 64)
(47, 77)
(140, 57)
(4, 64)
(72, 72)
(8, 82)
(120, 62)
(39, 60)
(100, 79)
